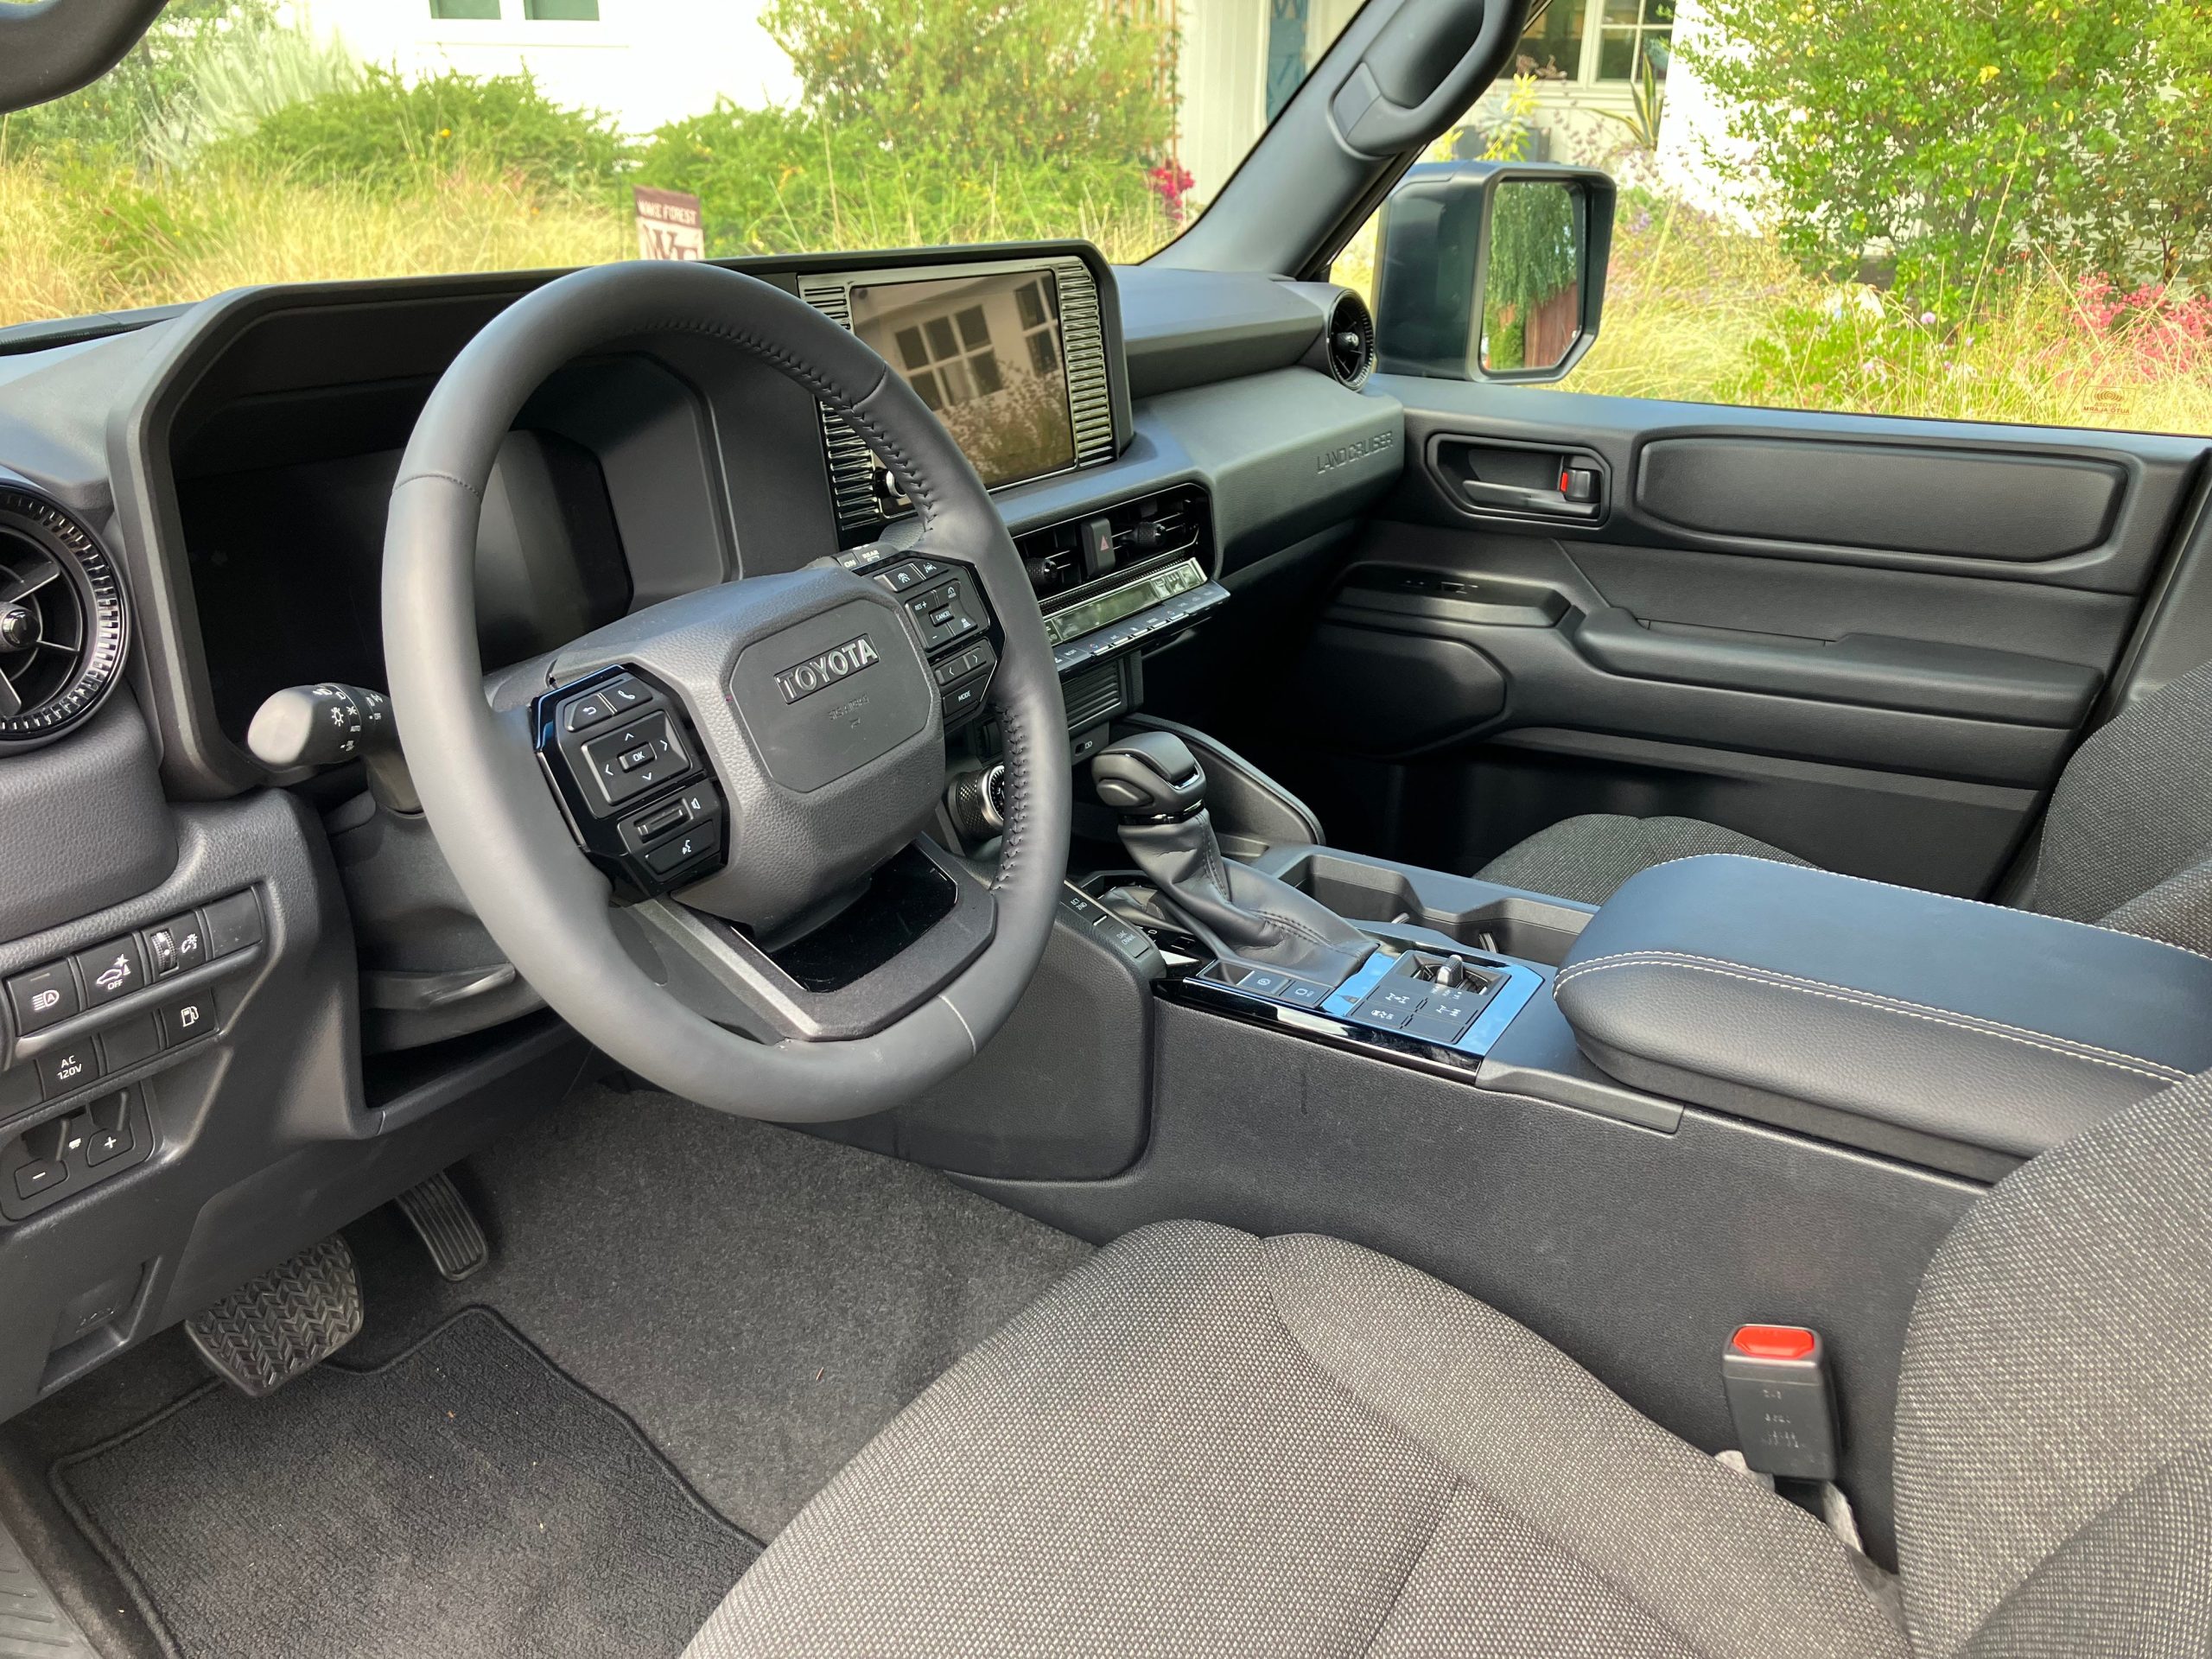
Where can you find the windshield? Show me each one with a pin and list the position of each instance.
(246, 141)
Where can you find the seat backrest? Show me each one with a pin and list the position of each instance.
(2130, 824)
(2054, 1449)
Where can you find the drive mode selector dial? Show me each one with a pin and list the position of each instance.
(625, 763)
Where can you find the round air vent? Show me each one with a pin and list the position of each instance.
(1352, 340)
(63, 621)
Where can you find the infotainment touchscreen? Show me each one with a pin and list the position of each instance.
(984, 352)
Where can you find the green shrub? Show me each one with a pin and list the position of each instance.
(935, 121)
(778, 181)
(1956, 140)
(389, 134)
(243, 78)
(113, 121)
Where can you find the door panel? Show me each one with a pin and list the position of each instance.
(1872, 642)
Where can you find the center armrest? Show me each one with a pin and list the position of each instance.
(1961, 1035)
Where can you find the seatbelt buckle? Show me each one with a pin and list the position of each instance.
(1777, 1377)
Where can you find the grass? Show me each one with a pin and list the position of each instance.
(1697, 311)
(84, 242)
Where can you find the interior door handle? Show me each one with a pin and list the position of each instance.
(1515, 498)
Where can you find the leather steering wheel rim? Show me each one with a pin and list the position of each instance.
(488, 803)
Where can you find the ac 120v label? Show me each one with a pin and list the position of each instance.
(1329, 459)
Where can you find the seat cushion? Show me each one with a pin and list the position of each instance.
(1202, 1442)
(1586, 859)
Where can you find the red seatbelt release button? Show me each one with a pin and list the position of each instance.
(1777, 1377)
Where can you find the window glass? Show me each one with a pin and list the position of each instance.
(1998, 213)
(291, 140)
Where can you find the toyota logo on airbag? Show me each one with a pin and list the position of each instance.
(838, 663)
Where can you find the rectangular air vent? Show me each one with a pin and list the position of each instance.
(1092, 695)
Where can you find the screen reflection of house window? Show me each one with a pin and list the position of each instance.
(1032, 301)
(949, 359)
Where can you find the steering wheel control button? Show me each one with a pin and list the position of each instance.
(639, 756)
(695, 844)
(67, 1070)
(43, 997)
(588, 712)
(188, 1020)
(110, 970)
(661, 820)
(624, 696)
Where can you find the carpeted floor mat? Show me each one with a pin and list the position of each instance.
(465, 1498)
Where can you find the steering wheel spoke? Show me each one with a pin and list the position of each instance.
(908, 932)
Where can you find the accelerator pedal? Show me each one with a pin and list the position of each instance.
(447, 1227)
(270, 1329)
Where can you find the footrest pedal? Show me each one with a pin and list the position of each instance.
(295, 1316)
(446, 1226)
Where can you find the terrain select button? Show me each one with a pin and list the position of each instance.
(1446, 1028)
(68, 1069)
(31, 1180)
(113, 969)
(42, 997)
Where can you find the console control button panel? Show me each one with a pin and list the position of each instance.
(67, 1155)
(108, 996)
(1447, 1000)
(624, 761)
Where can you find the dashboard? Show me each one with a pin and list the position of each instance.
(307, 1017)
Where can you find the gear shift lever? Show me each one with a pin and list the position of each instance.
(1157, 786)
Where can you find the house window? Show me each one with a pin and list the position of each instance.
(951, 360)
(1551, 47)
(1588, 42)
(561, 11)
(1634, 33)
(466, 10)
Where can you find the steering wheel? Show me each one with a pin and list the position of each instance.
(788, 725)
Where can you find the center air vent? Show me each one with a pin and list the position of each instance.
(61, 621)
(1352, 340)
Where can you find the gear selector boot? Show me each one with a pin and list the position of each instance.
(1157, 786)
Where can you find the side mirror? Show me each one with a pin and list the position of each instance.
(1491, 270)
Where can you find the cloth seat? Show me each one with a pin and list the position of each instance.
(1203, 1443)
(2127, 842)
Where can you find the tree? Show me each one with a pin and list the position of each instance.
(1952, 137)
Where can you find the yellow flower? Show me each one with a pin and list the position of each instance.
(1988, 74)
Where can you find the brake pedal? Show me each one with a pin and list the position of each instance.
(446, 1226)
(270, 1329)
